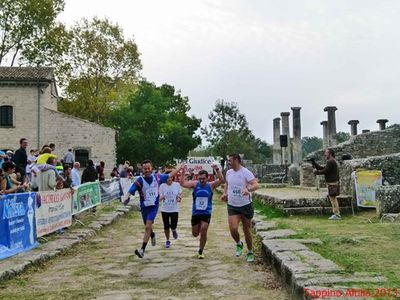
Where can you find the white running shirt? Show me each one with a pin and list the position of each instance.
(237, 182)
(170, 192)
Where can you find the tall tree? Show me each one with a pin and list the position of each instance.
(311, 144)
(24, 24)
(228, 132)
(155, 124)
(102, 68)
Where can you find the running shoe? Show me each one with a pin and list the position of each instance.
(250, 257)
(167, 244)
(175, 234)
(153, 239)
(200, 256)
(239, 249)
(139, 253)
(334, 217)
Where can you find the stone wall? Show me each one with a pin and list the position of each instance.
(69, 132)
(389, 164)
(388, 199)
(364, 145)
(24, 101)
(268, 172)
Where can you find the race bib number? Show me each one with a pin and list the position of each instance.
(201, 203)
(150, 197)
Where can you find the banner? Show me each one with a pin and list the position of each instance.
(196, 164)
(366, 184)
(86, 196)
(17, 224)
(125, 184)
(110, 190)
(53, 211)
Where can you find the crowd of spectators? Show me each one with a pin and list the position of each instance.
(42, 170)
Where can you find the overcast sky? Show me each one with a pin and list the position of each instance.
(268, 55)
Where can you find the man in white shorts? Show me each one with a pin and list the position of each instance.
(239, 184)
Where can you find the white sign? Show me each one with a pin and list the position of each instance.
(54, 211)
(197, 164)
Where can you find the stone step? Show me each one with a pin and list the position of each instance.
(315, 210)
(303, 202)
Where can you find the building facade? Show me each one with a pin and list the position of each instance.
(28, 109)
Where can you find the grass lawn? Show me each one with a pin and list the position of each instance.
(358, 244)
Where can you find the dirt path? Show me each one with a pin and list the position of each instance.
(106, 268)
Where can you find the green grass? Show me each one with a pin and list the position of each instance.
(357, 244)
(267, 210)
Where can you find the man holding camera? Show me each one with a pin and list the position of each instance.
(331, 173)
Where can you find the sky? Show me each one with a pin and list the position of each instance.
(267, 55)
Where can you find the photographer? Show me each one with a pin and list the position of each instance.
(331, 173)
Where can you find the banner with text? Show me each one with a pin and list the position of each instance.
(110, 190)
(86, 195)
(53, 211)
(17, 224)
(196, 164)
(366, 184)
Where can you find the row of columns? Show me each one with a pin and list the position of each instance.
(293, 152)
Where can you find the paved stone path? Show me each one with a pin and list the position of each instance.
(106, 268)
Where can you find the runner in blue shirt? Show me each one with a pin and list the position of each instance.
(202, 203)
(148, 188)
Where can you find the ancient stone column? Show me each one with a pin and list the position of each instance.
(331, 125)
(366, 131)
(276, 152)
(296, 145)
(286, 131)
(325, 134)
(353, 126)
(382, 123)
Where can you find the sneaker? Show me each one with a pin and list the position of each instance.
(167, 244)
(334, 217)
(250, 257)
(175, 234)
(139, 253)
(153, 240)
(200, 256)
(239, 249)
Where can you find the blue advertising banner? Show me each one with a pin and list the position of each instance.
(17, 224)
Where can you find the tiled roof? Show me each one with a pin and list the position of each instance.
(26, 73)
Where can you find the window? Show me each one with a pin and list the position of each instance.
(82, 156)
(6, 115)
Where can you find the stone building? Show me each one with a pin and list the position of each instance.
(28, 108)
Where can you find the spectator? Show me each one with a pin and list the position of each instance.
(69, 158)
(3, 155)
(48, 177)
(9, 154)
(67, 177)
(52, 146)
(100, 171)
(20, 157)
(6, 184)
(90, 173)
(114, 173)
(124, 172)
(75, 175)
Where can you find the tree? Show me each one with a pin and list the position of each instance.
(102, 68)
(342, 137)
(24, 24)
(155, 124)
(228, 132)
(311, 144)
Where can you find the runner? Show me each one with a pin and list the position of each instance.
(171, 195)
(148, 188)
(240, 182)
(202, 203)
